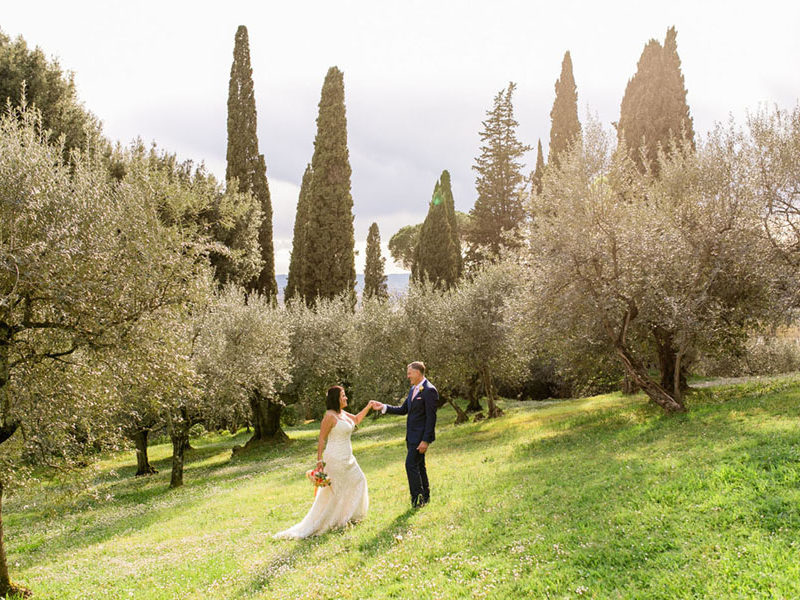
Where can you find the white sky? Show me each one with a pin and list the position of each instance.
(419, 77)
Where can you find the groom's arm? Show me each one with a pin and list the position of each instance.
(396, 410)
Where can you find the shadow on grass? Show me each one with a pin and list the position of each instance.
(290, 553)
(278, 565)
(384, 539)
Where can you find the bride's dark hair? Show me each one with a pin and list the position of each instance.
(332, 401)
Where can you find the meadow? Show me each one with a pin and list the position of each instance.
(602, 497)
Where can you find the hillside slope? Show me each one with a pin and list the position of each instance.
(591, 498)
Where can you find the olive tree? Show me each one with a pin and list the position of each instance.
(428, 334)
(380, 361)
(486, 338)
(634, 254)
(773, 146)
(242, 352)
(323, 352)
(82, 261)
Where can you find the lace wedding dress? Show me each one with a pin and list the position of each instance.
(346, 500)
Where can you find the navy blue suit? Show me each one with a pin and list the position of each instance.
(420, 427)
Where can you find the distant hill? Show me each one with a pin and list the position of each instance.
(398, 282)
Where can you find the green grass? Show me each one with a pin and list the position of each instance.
(603, 497)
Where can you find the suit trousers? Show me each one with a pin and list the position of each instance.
(417, 476)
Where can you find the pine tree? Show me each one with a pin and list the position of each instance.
(536, 178)
(565, 127)
(245, 164)
(375, 282)
(329, 260)
(436, 257)
(654, 108)
(447, 194)
(498, 209)
(294, 281)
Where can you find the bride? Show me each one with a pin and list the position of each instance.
(346, 499)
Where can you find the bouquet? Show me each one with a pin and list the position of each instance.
(318, 477)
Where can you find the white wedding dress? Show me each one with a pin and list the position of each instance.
(346, 499)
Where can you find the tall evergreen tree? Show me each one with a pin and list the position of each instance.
(654, 107)
(536, 178)
(329, 261)
(294, 281)
(52, 91)
(436, 257)
(499, 208)
(447, 194)
(565, 127)
(375, 282)
(245, 164)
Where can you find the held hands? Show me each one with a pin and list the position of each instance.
(375, 405)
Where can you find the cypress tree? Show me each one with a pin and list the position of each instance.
(329, 261)
(536, 179)
(294, 281)
(499, 208)
(245, 164)
(375, 284)
(447, 194)
(564, 127)
(435, 257)
(654, 108)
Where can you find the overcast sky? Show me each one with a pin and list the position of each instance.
(419, 78)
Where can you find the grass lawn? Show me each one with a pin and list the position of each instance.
(600, 497)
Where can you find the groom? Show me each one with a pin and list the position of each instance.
(420, 406)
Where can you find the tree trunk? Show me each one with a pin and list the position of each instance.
(6, 587)
(143, 466)
(266, 420)
(178, 448)
(461, 416)
(179, 434)
(491, 396)
(473, 396)
(653, 390)
(667, 355)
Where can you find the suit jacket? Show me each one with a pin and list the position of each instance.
(421, 411)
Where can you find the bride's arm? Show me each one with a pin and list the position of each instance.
(328, 421)
(360, 416)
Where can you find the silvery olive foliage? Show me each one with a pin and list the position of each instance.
(486, 330)
(241, 350)
(615, 255)
(323, 352)
(192, 199)
(86, 261)
(461, 334)
(380, 366)
(773, 145)
(82, 261)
